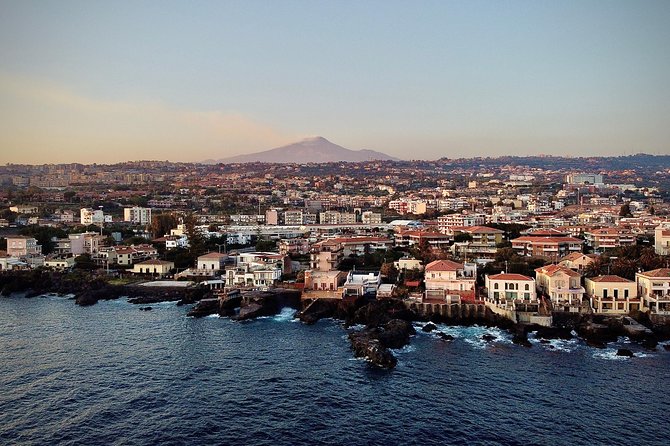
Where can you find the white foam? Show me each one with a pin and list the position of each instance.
(609, 354)
(406, 349)
(213, 316)
(285, 315)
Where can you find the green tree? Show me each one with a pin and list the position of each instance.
(161, 224)
(625, 211)
(389, 271)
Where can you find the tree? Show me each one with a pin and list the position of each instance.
(85, 262)
(161, 224)
(389, 271)
(625, 211)
(462, 237)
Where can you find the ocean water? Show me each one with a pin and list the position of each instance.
(113, 375)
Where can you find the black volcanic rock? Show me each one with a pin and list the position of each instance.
(310, 150)
(625, 352)
(367, 346)
(429, 327)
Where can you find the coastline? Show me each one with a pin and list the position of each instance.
(388, 324)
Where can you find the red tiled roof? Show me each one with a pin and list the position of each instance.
(553, 269)
(610, 278)
(444, 265)
(660, 272)
(528, 238)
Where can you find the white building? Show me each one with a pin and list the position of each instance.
(91, 216)
(137, 215)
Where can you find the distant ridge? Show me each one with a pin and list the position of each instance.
(310, 150)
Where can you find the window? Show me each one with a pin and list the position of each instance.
(604, 293)
(495, 286)
(527, 287)
(625, 294)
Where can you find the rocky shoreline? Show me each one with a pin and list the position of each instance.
(388, 324)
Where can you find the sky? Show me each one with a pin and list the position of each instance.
(101, 81)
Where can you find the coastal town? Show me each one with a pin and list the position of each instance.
(532, 241)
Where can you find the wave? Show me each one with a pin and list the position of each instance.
(285, 315)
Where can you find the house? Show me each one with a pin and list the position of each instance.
(609, 238)
(298, 246)
(510, 290)
(410, 238)
(8, 262)
(483, 243)
(154, 267)
(59, 262)
(408, 263)
(24, 209)
(253, 275)
(361, 284)
(662, 239)
(654, 289)
(561, 284)
(212, 261)
(324, 280)
(552, 248)
(22, 246)
(577, 260)
(612, 294)
(445, 279)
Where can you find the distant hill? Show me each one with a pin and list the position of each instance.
(310, 150)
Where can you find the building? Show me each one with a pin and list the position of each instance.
(584, 178)
(91, 217)
(510, 291)
(552, 248)
(293, 218)
(612, 294)
(60, 263)
(662, 239)
(24, 209)
(272, 217)
(654, 289)
(371, 218)
(212, 261)
(609, 238)
(361, 284)
(577, 260)
(298, 246)
(561, 284)
(137, 215)
(452, 281)
(324, 280)
(154, 267)
(483, 243)
(445, 222)
(22, 246)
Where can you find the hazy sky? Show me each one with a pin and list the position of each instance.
(104, 81)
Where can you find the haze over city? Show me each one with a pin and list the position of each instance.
(107, 82)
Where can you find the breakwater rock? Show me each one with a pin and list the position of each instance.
(374, 343)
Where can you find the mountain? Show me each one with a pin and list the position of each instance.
(310, 150)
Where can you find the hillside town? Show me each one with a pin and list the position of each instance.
(528, 238)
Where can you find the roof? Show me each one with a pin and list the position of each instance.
(554, 269)
(155, 262)
(444, 265)
(485, 229)
(579, 255)
(212, 255)
(551, 232)
(536, 239)
(660, 272)
(508, 276)
(608, 279)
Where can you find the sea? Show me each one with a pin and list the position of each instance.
(111, 374)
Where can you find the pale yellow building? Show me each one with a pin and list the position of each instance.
(612, 294)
